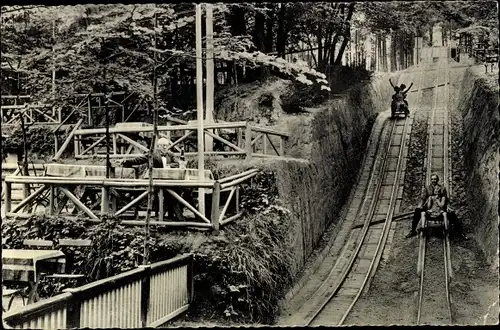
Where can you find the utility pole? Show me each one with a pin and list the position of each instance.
(105, 190)
(154, 141)
(54, 65)
(199, 106)
(210, 73)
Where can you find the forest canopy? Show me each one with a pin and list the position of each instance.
(115, 47)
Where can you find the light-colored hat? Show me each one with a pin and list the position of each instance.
(162, 141)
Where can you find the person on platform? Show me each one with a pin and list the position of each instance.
(162, 158)
(435, 201)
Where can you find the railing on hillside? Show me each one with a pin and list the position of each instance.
(100, 195)
(11, 111)
(147, 296)
(240, 139)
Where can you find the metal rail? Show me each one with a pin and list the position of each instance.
(371, 212)
(423, 238)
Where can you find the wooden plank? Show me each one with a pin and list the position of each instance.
(224, 141)
(269, 131)
(230, 219)
(226, 205)
(29, 199)
(75, 242)
(65, 144)
(79, 204)
(215, 206)
(92, 131)
(132, 203)
(189, 206)
(134, 143)
(248, 142)
(93, 145)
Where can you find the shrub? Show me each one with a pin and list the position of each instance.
(39, 140)
(240, 274)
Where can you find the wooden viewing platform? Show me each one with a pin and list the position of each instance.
(235, 139)
(122, 194)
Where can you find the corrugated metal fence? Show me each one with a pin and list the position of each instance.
(144, 297)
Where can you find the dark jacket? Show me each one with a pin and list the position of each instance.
(157, 161)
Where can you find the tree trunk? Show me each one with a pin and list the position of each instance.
(269, 39)
(259, 31)
(319, 38)
(347, 33)
(332, 49)
(282, 31)
(237, 21)
(384, 53)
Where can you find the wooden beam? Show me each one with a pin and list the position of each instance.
(189, 206)
(134, 143)
(239, 175)
(226, 205)
(230, 219)
(145, 129)
(168, 223)
(272, 145)
(65, 144)
(224, 141)
(79, 204)
(238, 181)
(30, 198)
(248, 142)
(269, 131)
(216, 206)
(93, 145)
(8, 197)
(256, 139)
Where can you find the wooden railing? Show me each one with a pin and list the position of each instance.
(147, 296)
(234, 139)
(30, 113)
(101, 195)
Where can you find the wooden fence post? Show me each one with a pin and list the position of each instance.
(216, 206)
(51, 199)
(265, 137)
(8, 196)
(239, 134)
(104, 200)
(161, 204)
(190, 281)
(145, 294)
(73, 309)
(248, 141)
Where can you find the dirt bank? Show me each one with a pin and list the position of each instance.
(331, 137)
(474, 288)
(478, 105)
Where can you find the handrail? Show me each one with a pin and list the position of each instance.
(88, 131)
(36, 309)
(112, 182)
(237, 176)
(268, 131)
(72, 299)
(160, 128)
(237, 181)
